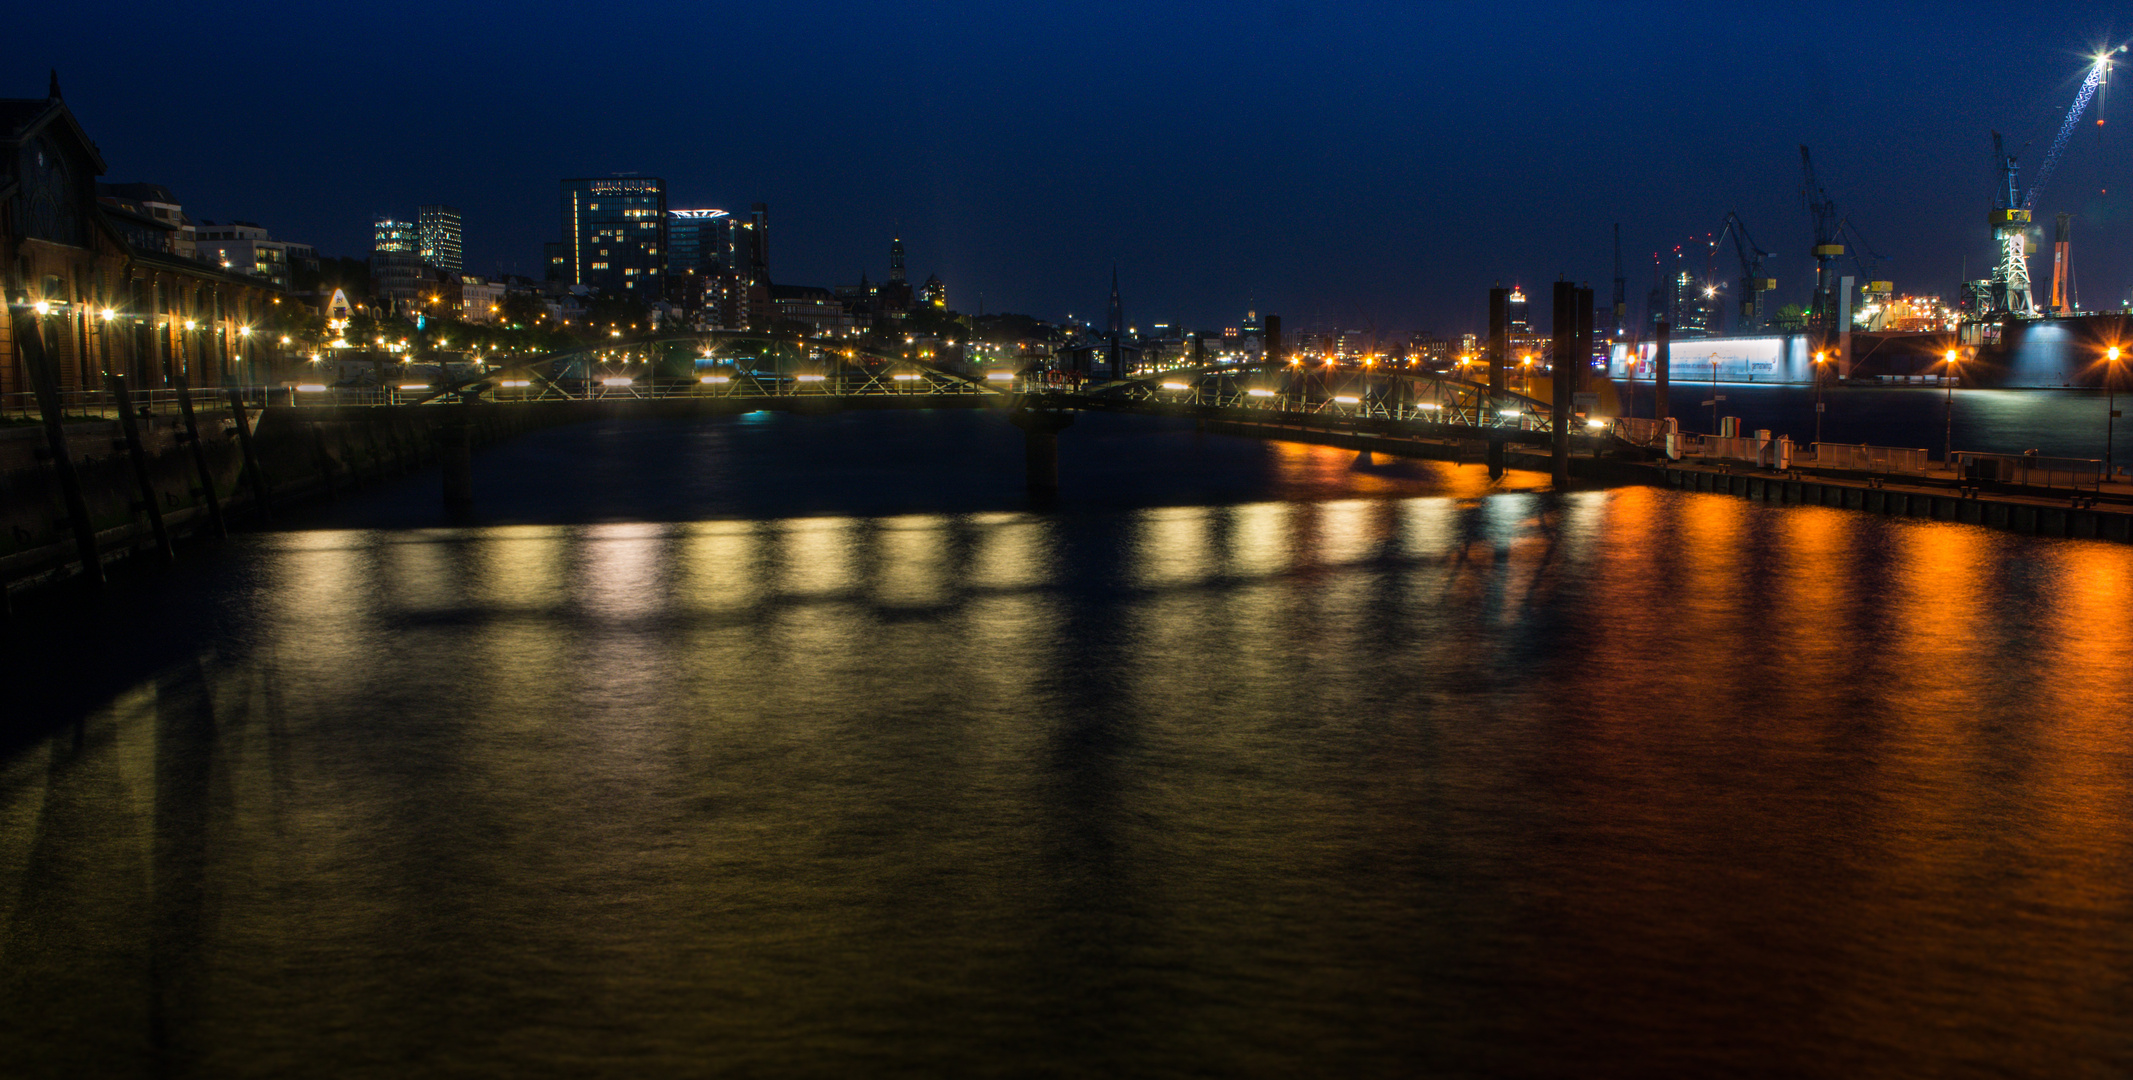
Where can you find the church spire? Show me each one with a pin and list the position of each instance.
(53, 92)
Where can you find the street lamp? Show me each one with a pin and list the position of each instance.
(1821, 359)
(1947, 379)
(2110, 397)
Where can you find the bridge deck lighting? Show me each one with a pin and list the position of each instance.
(44, 307)
(516, 382)
(1345, 399)
(905, 378)
(1595, 423)
(1427, 405)
(1175, 386)
(1511, 413)
(1260, 393)
(617, 380)
(715, 379)
(311, 387)
(414, 386)
(812, 378)
(109, 315)
(999, 376)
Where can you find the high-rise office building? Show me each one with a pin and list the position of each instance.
(395, 262)
(615, 235)
(391, 236)
(437, 232)
(696, 242)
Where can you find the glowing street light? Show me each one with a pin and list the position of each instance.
(1947, 379)
(2110, 398)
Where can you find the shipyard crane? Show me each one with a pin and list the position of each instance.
(2099, 73)
(1621, 290)
(2009, 285)
(1828, 247)
(1753, 284)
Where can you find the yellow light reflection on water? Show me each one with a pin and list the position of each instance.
(1009, 551)
(1258, 539)
(619, 569)
(519, 566)
(1172, 546)
(911, 554)
(722, 565)
(820, 555)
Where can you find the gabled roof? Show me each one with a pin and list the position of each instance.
(22, 118)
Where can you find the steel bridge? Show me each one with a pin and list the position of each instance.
(1389, 401)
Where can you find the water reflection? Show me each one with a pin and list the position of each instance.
(1512, 783)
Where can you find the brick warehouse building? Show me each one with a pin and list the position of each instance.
(115, 296)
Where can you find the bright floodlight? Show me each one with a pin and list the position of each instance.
(1260, 393)
(811, 378)
(616, 380)
(1175, 386)
(1000, 376)
(311, 387)
(1344, 399)
(716, 379)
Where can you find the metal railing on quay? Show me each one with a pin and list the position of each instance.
(2030, 470)
(1859, 457)
(21, 407)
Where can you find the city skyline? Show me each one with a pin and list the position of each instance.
(1276, 154)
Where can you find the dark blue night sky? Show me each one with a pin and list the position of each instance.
(1346, 165)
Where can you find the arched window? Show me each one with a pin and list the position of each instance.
(51, 200)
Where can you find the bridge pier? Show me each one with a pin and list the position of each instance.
(1040, 446)
(1562, 382)
(1499, 358)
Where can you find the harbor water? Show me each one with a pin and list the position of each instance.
(806, 746)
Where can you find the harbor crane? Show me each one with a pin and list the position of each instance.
(2009, 285)
(1828, 247)
(2099, 74)
(2008, 290)
(1753, 282)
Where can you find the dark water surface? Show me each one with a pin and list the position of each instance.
(800, 746)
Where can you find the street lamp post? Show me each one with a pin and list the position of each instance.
(1947, 379)
(1821, 359)
(2110, 398)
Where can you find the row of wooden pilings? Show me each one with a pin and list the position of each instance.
(95, 491)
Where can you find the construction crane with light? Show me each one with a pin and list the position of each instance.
(1753, 283)
(2099, 74)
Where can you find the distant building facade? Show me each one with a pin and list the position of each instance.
(615, 235)
(246, 248)
(109, 299)
(437, 236)
(396, 267)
